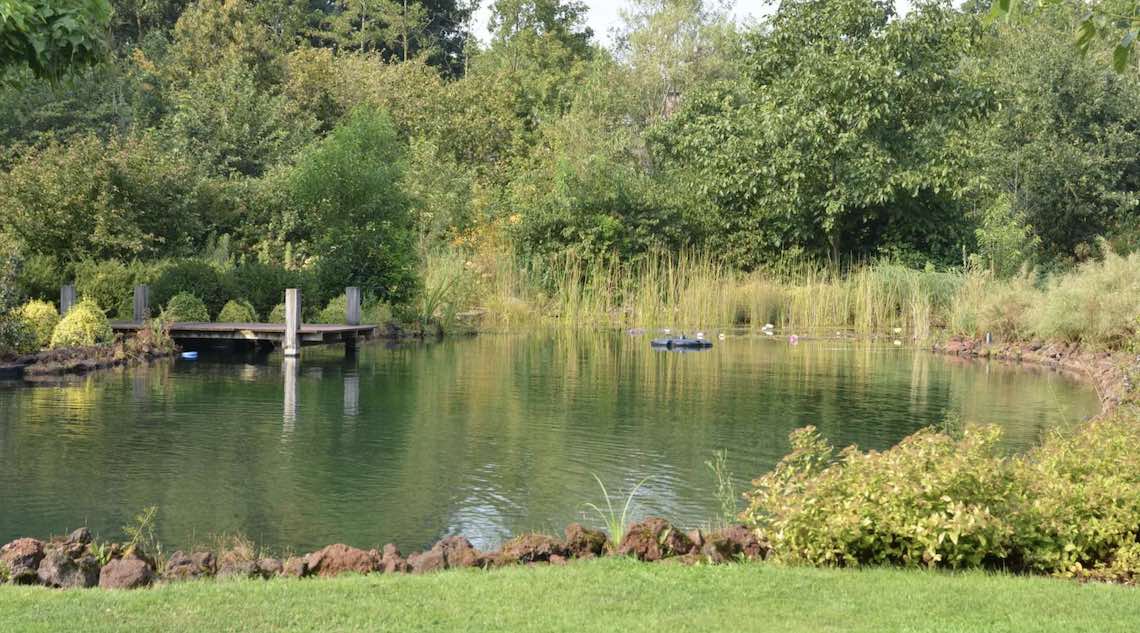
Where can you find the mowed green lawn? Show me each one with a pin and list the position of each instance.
(607, 595)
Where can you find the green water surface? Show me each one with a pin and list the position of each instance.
(484, 437)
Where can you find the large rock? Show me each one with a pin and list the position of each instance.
(340, 558)
(270, 567)
(183, 566)
(22, 559)
(584, 542)
(451, 552)
(654, 539)
(75, 545)
(532, 548)
(295, 567)
(733, 542)
(126, 573)
(391, 562)
(59, 569)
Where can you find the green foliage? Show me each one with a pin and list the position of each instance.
(1005, 241)
(42, 317)
(83, 326)
(17, 335)
(194, 277)
(725, 488)
(843, 138)
(49, 36)
(109, 283)
(335, 312)
(237, 311)
(277, 314)
(39, 277)
(1068, 507)
(142, 535)
(1096, 305)
(614, 521)
(345, 194)
(185, 307)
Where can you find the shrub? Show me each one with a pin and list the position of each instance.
(1097, 304)
(185, 307)
(1006, 309)
(277, 314)
(40, 277)
(237, 311)
(376, 313)
(17, 336)
(108, 283)
(195, 277)
(263, 285)
(83, 326)
(336, 311)
(1068, 507)
(42, 317)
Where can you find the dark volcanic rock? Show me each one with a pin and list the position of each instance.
(584, 542)
(340, 558)
(126, 573)
(269, 567)
(238, 569)
(182, 566)
(654, 539)
(59, 569)
(22, 558)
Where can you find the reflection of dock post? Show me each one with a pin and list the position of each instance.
(351, 394)
(141, 307)
(292, 343)
(290, 367)
(66, 299)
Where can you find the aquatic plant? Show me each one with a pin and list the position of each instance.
(615, 522)
(725, 492)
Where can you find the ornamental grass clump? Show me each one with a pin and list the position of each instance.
(83, 326)
(42, 317)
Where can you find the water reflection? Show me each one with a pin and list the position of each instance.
(482, 436)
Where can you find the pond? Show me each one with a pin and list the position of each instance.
(483, 436)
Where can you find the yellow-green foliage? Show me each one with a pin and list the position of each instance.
(42, 317)
(1070, 506)
(335, 311)
(1097, 304)
(1006, 309)
(17, 336)
(277, 314)
(187, 308)
(237, 311)
(83, 326)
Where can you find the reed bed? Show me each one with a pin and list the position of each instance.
(691, 292)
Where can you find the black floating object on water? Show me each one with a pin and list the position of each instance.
(681, 343)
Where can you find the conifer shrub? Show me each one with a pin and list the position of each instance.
(185, 307)
(83, 326)
(237, 311)
(42, 317)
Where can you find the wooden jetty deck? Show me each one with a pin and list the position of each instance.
(308, 334)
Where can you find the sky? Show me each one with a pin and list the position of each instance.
(604, 15)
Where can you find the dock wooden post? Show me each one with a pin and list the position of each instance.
(292, 322)
(142, 303)
(352, 305)
(66, 299)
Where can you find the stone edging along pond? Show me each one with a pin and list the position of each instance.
(71, 562)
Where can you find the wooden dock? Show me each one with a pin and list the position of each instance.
(267, 332)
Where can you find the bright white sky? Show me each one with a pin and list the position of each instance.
(604, 15)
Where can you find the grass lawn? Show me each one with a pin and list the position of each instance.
(607, 595)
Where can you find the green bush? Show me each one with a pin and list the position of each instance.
(195, 277)
(237, 311)
(40, 277)
(17, 336)
(42, 317)
(1096, 305)
(83, 326)
(376, 313)
(187, 308)
(264, 285)
(336, 311)
(1007, 308)
(277, 314)
(109, 283)
(1069, 507)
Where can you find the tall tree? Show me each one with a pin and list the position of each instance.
(50, 36)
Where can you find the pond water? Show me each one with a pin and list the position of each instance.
(484, 436)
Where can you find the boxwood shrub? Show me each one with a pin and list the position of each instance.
(83, 326)
(185, 307)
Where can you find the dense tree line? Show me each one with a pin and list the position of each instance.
(349, 138)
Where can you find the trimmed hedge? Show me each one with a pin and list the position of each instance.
(187, 308)
(237, 311)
